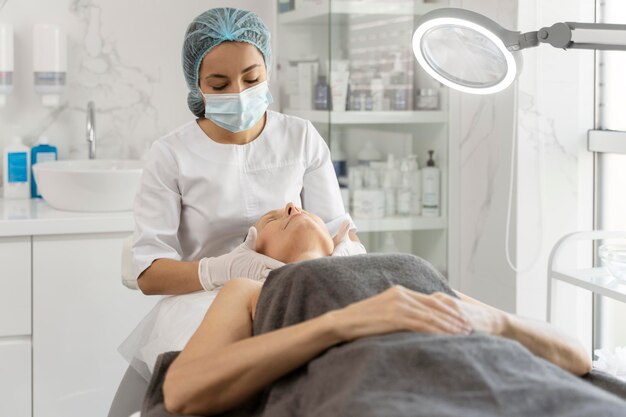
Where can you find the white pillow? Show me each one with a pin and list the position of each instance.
(168, 326)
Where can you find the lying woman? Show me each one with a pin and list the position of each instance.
(367, 335)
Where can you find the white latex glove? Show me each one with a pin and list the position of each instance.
(244, 261)
(344, 246)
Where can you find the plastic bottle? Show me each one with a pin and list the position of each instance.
(322, 94)
(404, 191)
(338, 157)
(368, 103)
(378, 91)
(430, 188)
(389, 244)
(16, 175)
(416, 185)
(43, 152)
(390, 184)
(368, 154)
(356, 102)
(400, 92)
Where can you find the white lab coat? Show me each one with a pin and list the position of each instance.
(198, 198)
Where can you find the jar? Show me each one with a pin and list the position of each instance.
(427, 99)
(368, 204)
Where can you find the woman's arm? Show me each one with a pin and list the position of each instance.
(222, 365)
(540, 338)
(157, 211)
(168, 276)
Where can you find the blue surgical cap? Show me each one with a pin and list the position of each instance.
(211, 28)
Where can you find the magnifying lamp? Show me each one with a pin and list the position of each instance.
(471, 53)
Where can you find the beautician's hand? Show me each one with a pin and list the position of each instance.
(344, 246)
(395, 310)
(244, 261)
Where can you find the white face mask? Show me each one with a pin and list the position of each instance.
(239, 111)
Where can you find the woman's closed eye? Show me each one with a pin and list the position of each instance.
(221, 87)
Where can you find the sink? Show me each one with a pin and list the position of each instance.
(89, 185)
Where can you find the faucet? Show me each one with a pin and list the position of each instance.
(91, 129)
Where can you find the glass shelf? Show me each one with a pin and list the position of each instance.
(598, 280)
(389, 224)
(371, 117)
(341, 10)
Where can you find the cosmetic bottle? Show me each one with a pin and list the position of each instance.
(322, 94)
(390, 185)
(416, 185)
(430, 188)
(389, 244)
(378, 90)
(16, 175)
(368, 154)
(338, 158)
(43, 152)
(427, 99)
(403, 205)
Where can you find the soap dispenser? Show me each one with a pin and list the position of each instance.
(49, 63)
(6, 62)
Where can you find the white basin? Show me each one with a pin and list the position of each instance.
(89, 185)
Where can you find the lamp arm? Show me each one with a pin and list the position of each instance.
(595, 36)
(526, 40)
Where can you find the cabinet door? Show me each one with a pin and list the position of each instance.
(15, 377)
(81, 314)
(15, 286)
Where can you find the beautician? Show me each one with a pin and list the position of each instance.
(207, 182)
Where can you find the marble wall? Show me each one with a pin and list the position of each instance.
(123, 55)
(550, 109)
(481, 130)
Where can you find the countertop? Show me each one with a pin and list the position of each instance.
(33, 217)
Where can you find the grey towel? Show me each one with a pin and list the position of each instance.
(402, 374)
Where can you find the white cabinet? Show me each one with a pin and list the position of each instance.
(81, 314)
(15, 317)
(15, 377)
(15, 286)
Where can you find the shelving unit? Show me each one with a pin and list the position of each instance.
(370, 39)
(371, 117)
(597, 280)
(341, 10)
(391, 224)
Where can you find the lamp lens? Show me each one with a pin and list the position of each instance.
(464, 56)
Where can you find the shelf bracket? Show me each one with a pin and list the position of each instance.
(606, 141)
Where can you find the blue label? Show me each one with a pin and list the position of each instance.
(18, 167)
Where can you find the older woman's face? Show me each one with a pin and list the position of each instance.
(231, 67)
(286, 234)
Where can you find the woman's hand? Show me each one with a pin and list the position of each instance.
(244, 261)
(399, 309)
(480, 317)
(347, 243)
